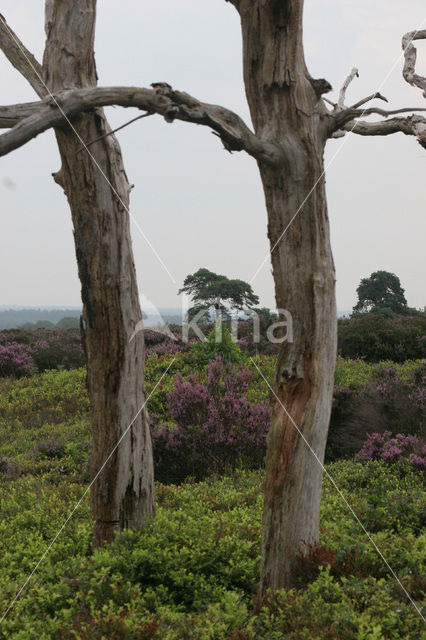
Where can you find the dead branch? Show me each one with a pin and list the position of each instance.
(110, 133)
(11, 115)
(349, 114)
(367, 99)
(414, 125)
(22, 59)
(54, 111)
(341, 102)
(410, 56)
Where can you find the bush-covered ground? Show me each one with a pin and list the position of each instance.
(375, 338)
(192, 572)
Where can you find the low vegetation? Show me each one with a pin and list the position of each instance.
(192, 573)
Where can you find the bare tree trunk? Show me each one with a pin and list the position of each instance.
(285, 109)
(304, 280)
(123, 493)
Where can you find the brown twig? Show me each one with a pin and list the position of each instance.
(144, 115)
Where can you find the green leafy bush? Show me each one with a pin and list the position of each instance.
(206, 351)
(192, 572)
(374, 338)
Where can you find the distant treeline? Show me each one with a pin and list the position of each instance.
(12, 318)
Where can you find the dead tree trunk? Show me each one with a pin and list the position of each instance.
(286, 109)
(98, 194)
(303, 272)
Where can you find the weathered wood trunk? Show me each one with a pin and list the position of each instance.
(285, 109)
(123, 492)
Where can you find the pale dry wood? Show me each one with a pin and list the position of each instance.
(342, 95)
(22, 59)
(286, 110)
(412, 126)
(96, 185)
(350, 114)
(172, 105)
(15, 113)
(367, 99)
(410, 56)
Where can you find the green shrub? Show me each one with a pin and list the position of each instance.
(206, 351)
(374, 338)
(192, 572)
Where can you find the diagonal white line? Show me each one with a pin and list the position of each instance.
(82, 498)
(330, 477)
(135, 222)
(328, 165)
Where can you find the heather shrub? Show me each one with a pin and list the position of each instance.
(160, 344)
(398, 448)
(402, 401)
(51, 448)
(164, 347)
(15, 360)
(246, 333)
(213, 425)
(8, 468)
(41, 349)
(58, 348)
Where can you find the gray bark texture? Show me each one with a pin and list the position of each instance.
(286, 110)
(123, 492)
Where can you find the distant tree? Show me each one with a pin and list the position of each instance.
(68, 323)
(381, 293)
(209, 289)
(40, 324)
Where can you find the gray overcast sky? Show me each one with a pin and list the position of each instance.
(198, 205)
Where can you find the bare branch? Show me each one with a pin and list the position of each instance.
(410, 55)
(12, 114)
(22, 59)
(341, 102)
(333, 104)
(412, 126)
(367, 99)
(110, 133)
(350, 114)
(171, 104)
